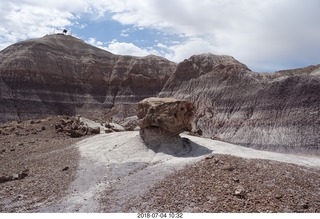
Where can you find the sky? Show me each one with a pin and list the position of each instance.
(266, 35)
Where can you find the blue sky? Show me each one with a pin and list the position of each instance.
(265, 35)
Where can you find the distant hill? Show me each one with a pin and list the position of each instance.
(60, 74)
(272, 111)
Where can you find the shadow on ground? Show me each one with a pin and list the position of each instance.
(179, 147)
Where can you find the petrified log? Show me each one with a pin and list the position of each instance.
(162, 119)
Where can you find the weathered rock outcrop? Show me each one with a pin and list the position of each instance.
(273, 111)
(59, 74)
(163, 119)
(74, 127)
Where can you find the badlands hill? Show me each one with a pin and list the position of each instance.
(274, 111)
(59, 74)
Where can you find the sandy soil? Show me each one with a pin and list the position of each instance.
(116, 172)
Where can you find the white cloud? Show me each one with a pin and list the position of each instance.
(120, 48)
(264, 35)
(20, 21)
(123, 48)
(254, 31)
(190, 47)
(23, 19)
(160, 45)
(94, 42)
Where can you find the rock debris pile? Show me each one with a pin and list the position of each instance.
(73, 127)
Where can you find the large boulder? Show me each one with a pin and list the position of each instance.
(163, 119)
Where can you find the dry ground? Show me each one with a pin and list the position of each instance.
(220, 183)
(226, 183)
(35, 147)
